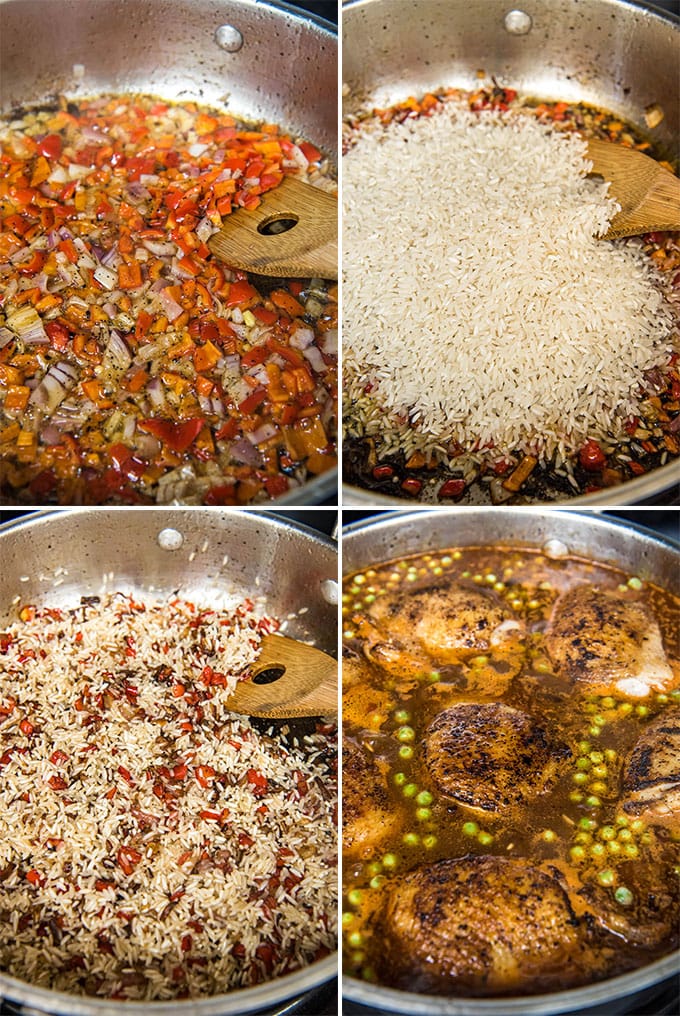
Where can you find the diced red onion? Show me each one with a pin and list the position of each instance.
(106, 277)
(262, 433)
(245, 452)
(85, 259)
(315, 358)
(217, 406)
(232, 363)
(170, 306)
(674, 426)
(112, 257)
(159, 284)
(117, 354)
(329, 341)
(260, 373)
(26, 323)
(156, 392)
(54, 386)
(50, 434)
(301, 338)
(65, 233)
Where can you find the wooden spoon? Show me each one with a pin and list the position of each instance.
(308, 249)
(648, 194)
(294, 680)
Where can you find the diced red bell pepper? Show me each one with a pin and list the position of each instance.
(452, 488)
(252, 401)
(592, 457)
(128, 858)
(240, 292)
(276, 485)
(177, 436)
(50, 146)
(225, 494)
(258, 782)
(58, 335)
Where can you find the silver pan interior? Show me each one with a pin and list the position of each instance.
(279, 65)
(55, 557)
(630, 547)
(612, 53)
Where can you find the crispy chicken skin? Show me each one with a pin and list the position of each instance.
(607, 645)
(491, 756)
(481, 925)
(449, 624)
(368, 814)
(651, 778)
(652, 916)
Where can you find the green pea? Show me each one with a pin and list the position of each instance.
(355, 939)
(548, 835)
(641, 710)
(406, 734)
(630, 850)
(621, 820)
(348, 633)
(448, 560)
(662, 698)
(368, 974)
(587, 823)
(584, 747)
(594, 731)
(625, 708)
(623, 896)
(355, 897)
(606, 877)
(580, 778)
(434, 676)
(423, 814)
(608, 833)
(608, 703)
(374, 868)
(347, 918)
(637, 825)
(583, 763)
(577, 853)
(576, 796)
(598, 787)
(424, 797)
(359, 580)
(470, 828)
(402, 716)
(625, 835)
(583, 838)
(491, 578)
(485, 838)
(400, 779)
(411, 839)
(596, 757)
(377, 881)
(369, 599)
(437, 571)
(593, 801)
(358, 957)
(429, 841)
(406, 751)
(614, 847)
(390, 861)
(635, 583)
(463, 575)
(600, 772)
(478, 578)
(610, 755)
(479, 661)
(598, 850)
(599, 721)
(499, 586)
(410, 790)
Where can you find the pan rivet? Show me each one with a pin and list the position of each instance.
(170, 539)
(517, 22)
(329, 591)
(229, 38)
(555, 549)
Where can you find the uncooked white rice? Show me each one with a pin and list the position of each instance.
(152, 843)
(477, 303)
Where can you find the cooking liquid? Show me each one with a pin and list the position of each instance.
(556, 822)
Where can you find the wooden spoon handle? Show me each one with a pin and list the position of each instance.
(307, 687)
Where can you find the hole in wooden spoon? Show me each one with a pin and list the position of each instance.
(269, 675)
(280, 223)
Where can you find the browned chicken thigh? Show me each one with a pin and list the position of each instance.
(607, 645)
(368, 814)
(491, 756)
(651, 779)
(449, 624)
(482, 926)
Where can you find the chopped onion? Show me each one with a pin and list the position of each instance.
(301, 338)
(245, 452)
(28, 326)
(329, 341)
(50, 435)
(204, 230)
(170, 306)
(106, 277)
(129, 427)
(6, 337)
(58, 175)
(161, 248)
(156, 393)
(262, 433)
(315, 358)
(54, 387)
(112, 257)
(77, 172)
(198, 149)
(85, 259)
(117, 354)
